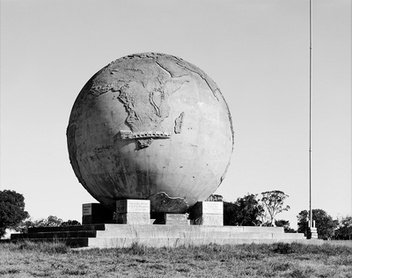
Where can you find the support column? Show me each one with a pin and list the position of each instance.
(207, 214)
(133, 212)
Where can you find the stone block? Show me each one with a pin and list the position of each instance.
(207, 213)
(176, 219)
(133, 212)
(137, 206)
(213, 208)
(212, 220)
(133, 218)
(95, 213)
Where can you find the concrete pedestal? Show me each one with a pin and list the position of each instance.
(95, 213)
(133, 212)
(123, 235)
(176, 219)
(207, 214)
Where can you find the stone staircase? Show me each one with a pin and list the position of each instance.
(124, 235)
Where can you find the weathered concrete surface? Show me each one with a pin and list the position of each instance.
(172, 236)
(123, 235)
(207, 213)
(150, 126)
(175, 242)
(176, 219)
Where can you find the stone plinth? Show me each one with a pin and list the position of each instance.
(176, 219)
(207, 214)
(95, 213)
(133, 212)
(122, 235)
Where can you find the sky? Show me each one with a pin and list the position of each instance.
(256, 51)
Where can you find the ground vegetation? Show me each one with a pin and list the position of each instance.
(26, 259)
(12, 210)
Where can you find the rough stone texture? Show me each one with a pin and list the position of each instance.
(133, 212)
(212, 220)
(172, 235)
(176, 219)
(207, 213)
(150, 126)
(136, 206)
(120, 235)
(133, 218)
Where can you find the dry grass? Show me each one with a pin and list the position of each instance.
(264, 260)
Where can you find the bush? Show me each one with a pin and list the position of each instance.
(282, 248)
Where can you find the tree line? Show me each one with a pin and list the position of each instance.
(13, 215)
(249, 210)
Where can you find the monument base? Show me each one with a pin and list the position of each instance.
(124, 235)
(168, 230)
(207, 213)
(133, 212)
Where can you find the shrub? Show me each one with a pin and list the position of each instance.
(282, 248)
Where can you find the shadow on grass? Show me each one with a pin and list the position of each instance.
(44, 247)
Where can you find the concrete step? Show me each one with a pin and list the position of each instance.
(183, 234)
(57, 234)
(166, 231)
(123, 235)
(174, 242)
(67, 228)
(191, 228)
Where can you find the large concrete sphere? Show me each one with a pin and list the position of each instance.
(150, 126)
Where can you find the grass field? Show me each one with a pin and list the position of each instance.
(296, 260)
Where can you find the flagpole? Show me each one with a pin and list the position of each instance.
(310, 122)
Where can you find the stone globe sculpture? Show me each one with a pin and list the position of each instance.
(150, 126)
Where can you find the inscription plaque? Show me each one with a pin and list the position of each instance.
(87, 209)
(125, 206)
(213, 207)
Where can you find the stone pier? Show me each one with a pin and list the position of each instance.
(133, 212)
(207, 213)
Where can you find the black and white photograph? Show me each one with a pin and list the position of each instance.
(176, 138)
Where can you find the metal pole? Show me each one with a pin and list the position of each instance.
(310, 134)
